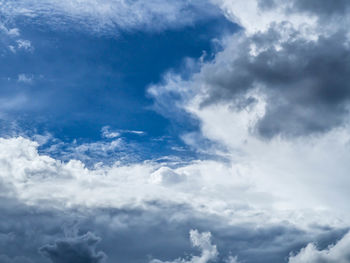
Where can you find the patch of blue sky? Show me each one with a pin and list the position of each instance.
(74, 82)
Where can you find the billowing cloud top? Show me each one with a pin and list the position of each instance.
(260, 161)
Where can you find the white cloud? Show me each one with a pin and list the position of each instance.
(24, 44)
(100, 15)
(236, 192)
(11, 38)
(298, 180)
(306, 174)
(337, 253)
(252, 18)
(12, 32)
(25, 78)
(166, 176)
(106, 133)
(202, 241)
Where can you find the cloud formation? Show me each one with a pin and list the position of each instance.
(274, 103)
(78, 250)
(274, 100)
(338, 252)
(299, 67)
(202, 241)
(104, 16)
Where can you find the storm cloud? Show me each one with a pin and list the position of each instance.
(78, 250)
(300, 68)
(305, 81)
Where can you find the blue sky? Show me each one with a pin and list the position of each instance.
(174, 131)
(76, 81)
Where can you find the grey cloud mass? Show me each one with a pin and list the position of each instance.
(76, 249)
(32, 234)
(316, 7)
(306, 81)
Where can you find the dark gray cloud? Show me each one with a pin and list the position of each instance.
(306, 82)
(74, 250)
(29, 234)
(160, 230)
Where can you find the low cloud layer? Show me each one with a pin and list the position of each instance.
(79, 249)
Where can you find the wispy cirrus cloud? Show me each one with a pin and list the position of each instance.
(104, 16)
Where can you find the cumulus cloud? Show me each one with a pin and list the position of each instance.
(78, 250)
(276, 101)
(299, 67)
(304, 82)
(166, 176)
(337, 253)
(202, 241)
(124, 207)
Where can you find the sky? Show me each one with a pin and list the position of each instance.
(174, 131)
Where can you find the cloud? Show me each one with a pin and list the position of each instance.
(246, 13)
(40, 196)
(304, 82)
(12, 32)
(78, 250)
(274, 102)
(24, 44)
(299, 68)
(131, 234)
(323, 8)
(166, 176)
(274, 105)
(25, 78)
(6, 259)
(208, 186)
(10, 38)
(109, 134)
(338, 252)
(202, 241)
(104, 16)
